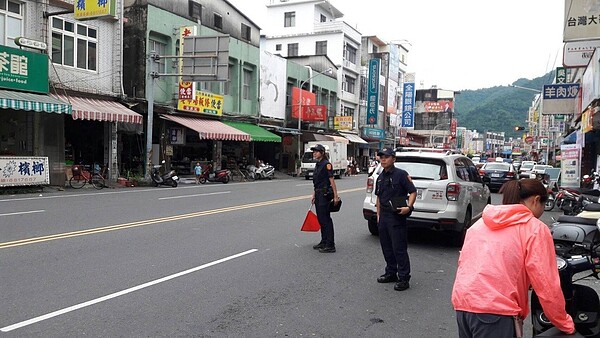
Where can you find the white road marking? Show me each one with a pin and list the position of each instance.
(22, 212)
(120, 293)
(186, 196)
(302, 184)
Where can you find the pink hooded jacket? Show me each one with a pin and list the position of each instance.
(504, 253)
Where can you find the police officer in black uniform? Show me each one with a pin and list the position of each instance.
(392, 184)
(325, 191)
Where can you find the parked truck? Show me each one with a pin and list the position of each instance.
(336, 153)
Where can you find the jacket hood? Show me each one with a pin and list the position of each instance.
(502, 216)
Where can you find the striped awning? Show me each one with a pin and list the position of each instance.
(32, 102)
(210, 129)
(257, 133)
(85, 108)
(353, 138)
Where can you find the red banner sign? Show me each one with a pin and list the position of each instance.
(306, 100)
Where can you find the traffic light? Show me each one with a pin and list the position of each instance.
(517, 128)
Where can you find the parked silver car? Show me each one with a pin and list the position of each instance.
(450, 193)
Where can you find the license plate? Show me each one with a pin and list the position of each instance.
(496, 175)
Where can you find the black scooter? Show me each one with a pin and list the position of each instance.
(168, 178)
(577, 245)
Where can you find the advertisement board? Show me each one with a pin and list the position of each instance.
(570, 165)
(373, 91)
(22, 170)
(23, 70)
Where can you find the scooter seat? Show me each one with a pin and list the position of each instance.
(576, 220)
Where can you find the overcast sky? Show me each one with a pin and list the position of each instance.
(458, 44)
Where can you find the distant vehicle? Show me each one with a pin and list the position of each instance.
(476, 159)
(336, 153)
(526, 166)
(498, 173)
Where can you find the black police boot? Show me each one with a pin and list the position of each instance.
(401, 285)
(387, 278)
(319, 246)
(327, 249)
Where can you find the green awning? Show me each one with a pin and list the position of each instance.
(32, 102)
(256, 133)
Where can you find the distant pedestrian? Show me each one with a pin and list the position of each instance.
(394, 184)
(198, 172)
(325, 191)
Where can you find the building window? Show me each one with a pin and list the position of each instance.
(218, 21)
(74, 44)
(278, 47)
(246, 32)
(321, 48)
(247, 82)
(227, 84)
(350, 54)
(289, 19)
(11, 22)
(195, 10)
(323, 18)
(160, 49)
(349, 84)
(292, 49)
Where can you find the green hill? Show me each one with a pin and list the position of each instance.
(498, 108)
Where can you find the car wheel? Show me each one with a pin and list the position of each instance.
(373, 227)
(458, 238)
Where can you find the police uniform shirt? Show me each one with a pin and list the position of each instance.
(323, 171)
(392, 183)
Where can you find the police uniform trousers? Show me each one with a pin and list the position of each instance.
(324, 217)
(393, 234)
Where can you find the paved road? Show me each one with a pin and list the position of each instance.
(214, 260)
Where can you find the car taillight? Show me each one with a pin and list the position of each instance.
(510, 174)
(452, 191)
(370, 185)
(481, 172)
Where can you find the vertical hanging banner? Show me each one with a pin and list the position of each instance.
(408, 105)
(373, 91)
(186, 89)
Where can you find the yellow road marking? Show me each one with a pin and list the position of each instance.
(136, 224)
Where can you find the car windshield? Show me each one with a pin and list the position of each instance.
(527, 165)
(424, 169)
(497, 166)
(539, 167)
(308, 157)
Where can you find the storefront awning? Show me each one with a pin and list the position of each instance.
(210, 129)
(32, 102)
(309, 137)
(257, 133)
(354, 138)
(100, 110)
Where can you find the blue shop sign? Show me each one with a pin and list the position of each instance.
(372, 133)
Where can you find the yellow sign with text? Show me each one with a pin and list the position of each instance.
(91, 9)
(342, 123)
(206, 103)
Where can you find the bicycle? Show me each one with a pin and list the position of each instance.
(81, 177)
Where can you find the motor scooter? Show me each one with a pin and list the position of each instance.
(168, 178)
(577, 243)
(265, 171)
(208, 175)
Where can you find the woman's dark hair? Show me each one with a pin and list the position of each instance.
(514, 192)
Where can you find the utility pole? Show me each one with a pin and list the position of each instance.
(152, 60)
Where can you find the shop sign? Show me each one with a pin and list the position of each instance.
(559, 98)
(18, 171)
(408, 105)
(529, 139)
(90, 9)
(342, 122)
(203, 102)
(373, 91)
(23, 70)
(581, 20)
(177, 136)
(374, 134)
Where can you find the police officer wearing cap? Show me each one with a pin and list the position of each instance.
(393, 184)
(325, 191)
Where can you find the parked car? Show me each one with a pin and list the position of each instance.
(498, 173)
(539, 170)
(450, 193)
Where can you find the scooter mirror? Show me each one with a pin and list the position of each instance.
(162, 162)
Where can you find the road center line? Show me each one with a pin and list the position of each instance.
(22, 212)
(195, 195)
(121, 293)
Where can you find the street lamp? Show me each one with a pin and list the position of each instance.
(328, 71)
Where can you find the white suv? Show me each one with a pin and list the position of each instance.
(450, 193)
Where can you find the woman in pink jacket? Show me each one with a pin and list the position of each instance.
(504, 253)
